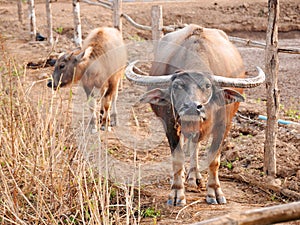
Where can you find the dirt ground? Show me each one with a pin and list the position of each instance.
(241, 171)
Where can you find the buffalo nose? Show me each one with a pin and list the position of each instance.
(193, 108)
(199, 107)
(49, 84)
(201, 111)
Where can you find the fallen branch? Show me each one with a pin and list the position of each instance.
(263, 185)
(262, 216)
(256, 44)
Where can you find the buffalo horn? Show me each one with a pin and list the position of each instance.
(165, 80)
(145, 80)
(241, 82)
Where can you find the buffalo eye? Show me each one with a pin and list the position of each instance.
(61, 66)
(178, 85)
(208, 86)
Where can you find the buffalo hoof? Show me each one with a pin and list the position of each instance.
(178, 202)
(196, 183)
(176, 198)
(114, 120)
(218, 200)
(221, 200)
(104, 128)
(211, 200)
(93, 130)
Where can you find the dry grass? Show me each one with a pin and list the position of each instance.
(44, 177)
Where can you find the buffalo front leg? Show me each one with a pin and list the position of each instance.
(177, 196)
(215, 194)
(194, 178)
(93, 121)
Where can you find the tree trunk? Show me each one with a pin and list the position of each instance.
(262, 216)
(77, 23)
(272, 63)
(32, 19)
(49, 21)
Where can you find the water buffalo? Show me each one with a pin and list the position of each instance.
(187, 89)
(99, 65)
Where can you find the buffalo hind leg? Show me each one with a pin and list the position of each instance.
(108, 111)
(215, 194)
(194, 177)
(105, 113)
(110, 99)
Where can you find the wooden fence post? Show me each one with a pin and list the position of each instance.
(20, 11)
(32, 19)
(117, 12)
(156, 22)
(271, 67)
(77, 23)
(49, 21)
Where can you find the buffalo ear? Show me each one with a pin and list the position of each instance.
(156, 96)
(84, 55)
(230, 96)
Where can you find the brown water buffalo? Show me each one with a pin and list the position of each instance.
(99, 65)
(187, 89)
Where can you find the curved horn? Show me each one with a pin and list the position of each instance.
(241, 82)
(145, 80)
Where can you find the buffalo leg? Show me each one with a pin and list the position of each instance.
(92, 106)
(194, 178)
(114, 113)
(109, 101)
(221, 127)
(105, 112)
(177, 196)
(215, 194)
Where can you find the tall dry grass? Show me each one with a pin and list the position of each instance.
(44, 177)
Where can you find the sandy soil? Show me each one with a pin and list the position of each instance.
(241, 171)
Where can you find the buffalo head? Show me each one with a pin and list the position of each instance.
(194, 96)
(68, 68)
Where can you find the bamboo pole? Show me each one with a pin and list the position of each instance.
(271, 67)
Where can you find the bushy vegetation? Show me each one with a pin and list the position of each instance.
(44, 177)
